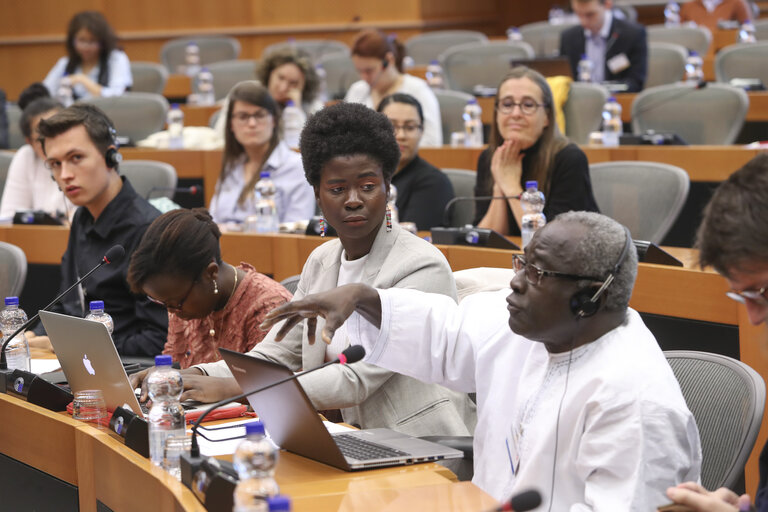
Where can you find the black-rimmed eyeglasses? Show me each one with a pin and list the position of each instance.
(528, 106)
(176, 307)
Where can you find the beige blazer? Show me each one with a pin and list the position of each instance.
(367, 395)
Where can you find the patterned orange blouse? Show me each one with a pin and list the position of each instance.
(236, 327)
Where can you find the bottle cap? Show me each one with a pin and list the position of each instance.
(96, 304)
(290, 103)
(279, 503)
(612, 98)
(693, 53)
(11, 301)
(204, 69)
(583, 56)
(531, 184)
(163, 360)
(254, 428)
(264, 174)
(472, 101)
(434, 62)
(174, 105)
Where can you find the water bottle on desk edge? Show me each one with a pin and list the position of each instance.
(747, 33)
(322, 89)
(612, 123)
(192, 60)
(266, 207)
(64, 93)
(166, 416)
(672, 14)
(473, 124)
(394, 214)
(513, 34)
(255, 460)
(556, 15)
(279, 503)
(293, 123)
(98, 314)
(694, 72)
(584, 69)
(17, 351)
(532, 202)
(435, 76)
(175, 121)
(205, 95)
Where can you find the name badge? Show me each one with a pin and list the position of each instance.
(618, 63)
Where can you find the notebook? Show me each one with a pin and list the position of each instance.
(294, 425)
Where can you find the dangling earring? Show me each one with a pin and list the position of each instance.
(389, 219)
(322, 226)
(215, 287)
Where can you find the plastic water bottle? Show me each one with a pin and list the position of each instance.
(266, 208)
(255, 460)
(693, 68)
(166, 417)
(192, 60)
(556, 15)
(322, 88)
(513, 34)
(175, 122)
(279, 503)
(584, 69)
(97, 314)
(293, 122)
(532, 202)
(205, 95)
(64, 92)
(408, 63)
(747, 33)
(473, 124)
(612, 123)
(435, 76)
(672, 14)
(17, 351)
(394, 213)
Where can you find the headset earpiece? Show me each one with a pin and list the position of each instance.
(112, 157)
(584, 304)
(384, 63)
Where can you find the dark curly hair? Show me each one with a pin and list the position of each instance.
(347, 129)
(301, 60)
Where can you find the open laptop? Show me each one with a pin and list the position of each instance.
(295, 426)
(89, 359)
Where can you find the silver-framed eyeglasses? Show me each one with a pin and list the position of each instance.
(245, 117)
(759, 296)
(408, 129)
(528, 106)
(533, 274)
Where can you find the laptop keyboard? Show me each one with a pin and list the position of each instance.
(359, 449)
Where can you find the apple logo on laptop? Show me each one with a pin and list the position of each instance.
(88, 365)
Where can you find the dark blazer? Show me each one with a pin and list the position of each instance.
(625, 37)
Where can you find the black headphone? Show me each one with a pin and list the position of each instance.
(384, 63)
(586, 302)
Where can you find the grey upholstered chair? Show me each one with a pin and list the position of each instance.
(423, 48)
(471, 64)
(696, 39)
(5, 163)
(726, 398)
(136, 115)
(291, 283)
(644, 196)
(212, 49)
(228, 73)
(761, 29)
(544, 37)
(452, 105)
(463, 182)
(745, 60)
(148, 77)
(666, 63)
(15, 137)
(316, 49)
(710, 115)
(340, 74)
(583, 110)
(13, 270)
(149, 178)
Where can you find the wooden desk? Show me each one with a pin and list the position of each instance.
(197, 115)
(177, 86)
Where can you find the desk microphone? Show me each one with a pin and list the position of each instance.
(461, 199)
(526, 500)
(193, 190)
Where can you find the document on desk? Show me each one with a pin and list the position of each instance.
(39, 366)
(223, 439)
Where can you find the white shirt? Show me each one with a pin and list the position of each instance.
(29, 186)
(625, 432)
(350, 271)
(294, 197)
(120, 77)
(360, 92)
(596, 50)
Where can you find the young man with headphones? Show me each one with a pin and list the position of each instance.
(574, 396)
(81, 152)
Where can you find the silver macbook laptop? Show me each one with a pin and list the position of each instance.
(295, 426)
(89, 358)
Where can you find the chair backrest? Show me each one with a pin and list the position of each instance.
(696, 39)
(5, 163)
(340, 74)
(726, 398)
(212, 49)
(148, 77)
(463, 181)
(583, 110)
(423, 48)
(452, 105)
(666, 63)
(15, 137)
(13, 270)
(149, 178)
(644, 196)
(544, 37)
(291, 283)
(710, 115)
(228, 73)
(471, 64)
(316, 49)
(627, 11)
(745, 60)
(136, 115)
(761, 29)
